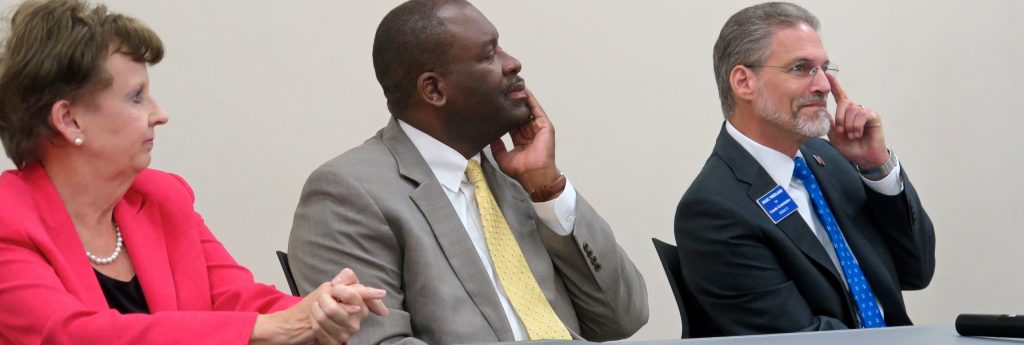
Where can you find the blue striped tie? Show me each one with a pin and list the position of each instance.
(870, 315)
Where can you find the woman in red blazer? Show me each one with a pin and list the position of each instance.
(94, 247)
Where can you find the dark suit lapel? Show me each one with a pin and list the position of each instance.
(747, 170)
(867, 257)
(142, 228)
(828, 177)
(432, 201)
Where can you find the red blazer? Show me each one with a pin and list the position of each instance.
(49, 294)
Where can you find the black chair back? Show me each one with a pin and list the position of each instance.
(283, 258)
(695, 320)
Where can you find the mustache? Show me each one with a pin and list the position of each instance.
(812, 99)
(513, 84)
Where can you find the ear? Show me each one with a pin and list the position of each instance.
(743, 82)
(62, 117)
(431, 89)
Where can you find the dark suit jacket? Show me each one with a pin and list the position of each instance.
(754, 276)
(379, 209)
(49, 293)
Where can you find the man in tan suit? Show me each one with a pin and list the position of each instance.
(471, 248)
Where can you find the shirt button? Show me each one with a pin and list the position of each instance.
(568, 218)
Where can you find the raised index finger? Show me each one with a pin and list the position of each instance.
(534, 105)
(837, 90)
(345, 277)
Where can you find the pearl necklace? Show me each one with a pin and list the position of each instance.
(117, 250)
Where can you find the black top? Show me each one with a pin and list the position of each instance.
(126, 297)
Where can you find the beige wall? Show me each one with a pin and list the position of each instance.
(261, 92)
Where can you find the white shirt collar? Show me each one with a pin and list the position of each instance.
(778, 165)
(448, 165)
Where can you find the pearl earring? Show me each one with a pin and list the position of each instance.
(79, 141)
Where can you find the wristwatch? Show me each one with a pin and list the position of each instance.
(880, 172)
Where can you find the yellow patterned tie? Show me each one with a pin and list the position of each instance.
(514, 273)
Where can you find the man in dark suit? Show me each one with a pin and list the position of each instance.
(783, 231)
(470, 248)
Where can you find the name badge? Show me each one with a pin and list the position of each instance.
(777, 204)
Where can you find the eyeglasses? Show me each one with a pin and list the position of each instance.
(802, 69)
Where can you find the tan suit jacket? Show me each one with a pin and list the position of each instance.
(379, 209)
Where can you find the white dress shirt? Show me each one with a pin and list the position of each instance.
(449, 167)
(780, 167)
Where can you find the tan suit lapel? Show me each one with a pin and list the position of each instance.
(518, 211)
(458, 249)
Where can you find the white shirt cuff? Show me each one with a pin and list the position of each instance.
(559, 214)
(890, 185)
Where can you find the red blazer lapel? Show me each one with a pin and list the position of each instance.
(141, 223)
(69, 262)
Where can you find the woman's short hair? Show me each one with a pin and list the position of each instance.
(56, 50)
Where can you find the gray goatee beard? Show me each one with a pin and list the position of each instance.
(817, 126)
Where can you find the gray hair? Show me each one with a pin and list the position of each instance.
(746, 38)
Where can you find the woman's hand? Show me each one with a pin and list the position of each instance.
(330, 314)
(339, 313)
